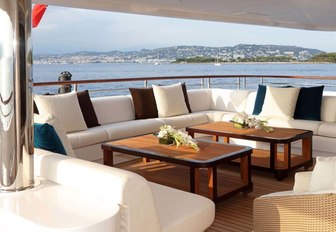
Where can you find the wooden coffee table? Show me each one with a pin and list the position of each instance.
(280, 163)
(210, 155)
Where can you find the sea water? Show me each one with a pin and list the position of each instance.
(50, 72)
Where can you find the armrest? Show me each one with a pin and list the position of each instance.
(302, 182)
(113, 186)
(309, 212)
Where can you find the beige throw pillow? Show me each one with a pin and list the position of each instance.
(280, 102)
(324, 174)
(170, 100)
(65, 107)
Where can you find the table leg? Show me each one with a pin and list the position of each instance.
(287, 156)
(215, 138)
(226, 139)
(212, 183)
(307, 151)
(245, 171)
(194, 180)
(273, 155)
(145, 160)
(108, 157)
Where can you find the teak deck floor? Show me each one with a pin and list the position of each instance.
(233, 214)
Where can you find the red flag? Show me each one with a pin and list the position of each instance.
(37, 14)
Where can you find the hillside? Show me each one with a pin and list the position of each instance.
(249, 52)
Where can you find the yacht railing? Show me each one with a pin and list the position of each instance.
(117, 86)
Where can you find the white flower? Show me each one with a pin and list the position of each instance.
(251, 122)
(181, 138)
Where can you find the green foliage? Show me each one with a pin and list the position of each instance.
(196, 59)
(324, 57)
(255, 59)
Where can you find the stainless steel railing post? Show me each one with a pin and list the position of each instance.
(16, 116)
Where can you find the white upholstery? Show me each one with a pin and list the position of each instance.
(58, 127)
(302, 182)
(65, 107)
(142, 204)
(250, 102)
(132, 128)
(298, 123)
(90, 136)
(229, 100)
(183, 121)
(195, 215)
(113, 109)
(200, 99)
(324, 174)
(328, 130)
(170, 100)
(328, 109)
(280, 102)
(116, 114)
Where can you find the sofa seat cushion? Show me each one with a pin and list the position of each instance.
(327, 129)
(91, 136)
(215, 115)
(324, 144)
(297, 123)
(196, 213)
(229, 100)
(182, 121)
(133, 128)
(113, 109)
(200, 99)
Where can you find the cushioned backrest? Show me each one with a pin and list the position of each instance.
(113, 109)
(229, 100)
(112, 185)
(328, 109)
(200, 99)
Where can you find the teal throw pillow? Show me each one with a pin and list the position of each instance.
(308, 105)
(259, 101)
(45, 137)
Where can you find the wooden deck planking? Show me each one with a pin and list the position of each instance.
(234, 214)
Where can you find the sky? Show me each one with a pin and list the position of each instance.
(67, 30)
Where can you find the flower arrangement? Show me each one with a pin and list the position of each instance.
(242, 120)
(169, 135)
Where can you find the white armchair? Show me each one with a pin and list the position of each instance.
(296, 210)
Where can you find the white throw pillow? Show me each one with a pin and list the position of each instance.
(280, 102)
(65, 107)
(170, 100)
(324, 174)
(51, 120)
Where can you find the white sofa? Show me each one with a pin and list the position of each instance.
(143, 206)
(116, 116)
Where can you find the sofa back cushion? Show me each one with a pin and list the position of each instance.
(229, 100)
(113, 109)
(200, 99)
(328, 109)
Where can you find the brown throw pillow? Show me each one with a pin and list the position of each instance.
(144, 103)
(88, 111)
(184, 89)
